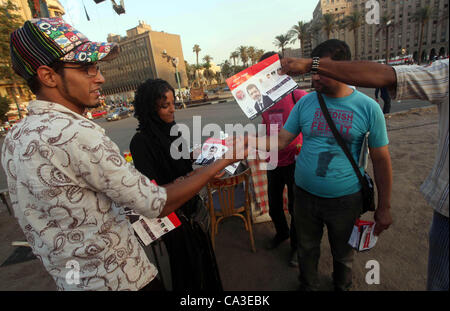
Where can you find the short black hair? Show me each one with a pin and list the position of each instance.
(147, 96)
(269, 54)
(333, 48)
(35, 85)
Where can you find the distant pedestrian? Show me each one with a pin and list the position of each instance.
(384, 94)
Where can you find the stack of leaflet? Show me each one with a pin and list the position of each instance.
(214, 149)
(362, 237)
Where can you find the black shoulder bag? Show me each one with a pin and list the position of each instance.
(366, 181)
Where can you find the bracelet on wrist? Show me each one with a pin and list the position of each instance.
(315, 65)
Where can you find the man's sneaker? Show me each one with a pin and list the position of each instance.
(276, 241)
(293, 261)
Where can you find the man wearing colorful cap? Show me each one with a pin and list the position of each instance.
(67, 180)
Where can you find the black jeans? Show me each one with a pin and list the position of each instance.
(339, 215)
(276, 180)
(154, 285)
(387, 105)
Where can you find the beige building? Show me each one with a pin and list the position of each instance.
(404, 35)
(142, 58)
(21, 94)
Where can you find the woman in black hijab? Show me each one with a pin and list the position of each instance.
(192, 260)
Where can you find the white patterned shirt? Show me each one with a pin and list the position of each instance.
(68, 182)
(431, 83)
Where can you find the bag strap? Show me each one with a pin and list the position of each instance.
(340, 140)
(293, 98)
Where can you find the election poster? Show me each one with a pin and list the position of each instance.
(260, 86)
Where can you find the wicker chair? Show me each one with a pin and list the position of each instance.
(230, 197)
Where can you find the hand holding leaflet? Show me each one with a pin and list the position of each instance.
(260, 86)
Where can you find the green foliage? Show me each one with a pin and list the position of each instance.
(243, 54)
(422, 16)
(352, 22)
(282, 40)
(328, 23)
(300, 32)
(4, 107)
(196, 49)
(9, 21)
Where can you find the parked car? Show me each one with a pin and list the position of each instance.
(118, 113)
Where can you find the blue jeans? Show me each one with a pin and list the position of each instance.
(311, 213)
(438, 254)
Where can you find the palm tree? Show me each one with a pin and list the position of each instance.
(328, 23)
(251, 52)
(385, 24)
(301, 32)
(281, 41)
(259, 53)
(234, 55)
(207, 59)
(314, 30)
(242, 50)
(196, 49)
(422, 16)
(352, 22)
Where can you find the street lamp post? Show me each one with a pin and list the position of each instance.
(175, 62)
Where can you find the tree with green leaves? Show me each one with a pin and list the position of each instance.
(234, 55)
(242, 50)
(281, 41)
(208, 74)
(251, 51)
(386, 23)
(422, 16)
(300, 32)
(207, 59)
(314, 30)
(9, 21)
(352, 22)
(196, 49)
(218, 77)
(227, 69)
(4, 107)
(259, 53)
(328, 23)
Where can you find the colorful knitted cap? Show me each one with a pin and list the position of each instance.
(42, 41)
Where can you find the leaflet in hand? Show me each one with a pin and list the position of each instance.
(149, 230)
(260, 86)
(212, 150)
(362, 237)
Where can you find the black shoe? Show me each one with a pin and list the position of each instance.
(276, 241)
(293, 261)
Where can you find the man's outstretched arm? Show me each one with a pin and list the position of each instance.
(357, 73)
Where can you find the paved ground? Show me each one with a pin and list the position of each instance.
(401, 251)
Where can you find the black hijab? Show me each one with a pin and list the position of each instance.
(156, 133)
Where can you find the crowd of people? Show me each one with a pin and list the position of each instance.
(70, 185)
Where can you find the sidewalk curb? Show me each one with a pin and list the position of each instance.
(418, 109)
(225, 100)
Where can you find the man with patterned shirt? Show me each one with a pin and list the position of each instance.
(428, 83)
(67, 180)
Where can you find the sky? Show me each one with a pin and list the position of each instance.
(217, 26)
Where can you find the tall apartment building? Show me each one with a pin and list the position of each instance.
(403, 36)
(26, 10)
(141, 58)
